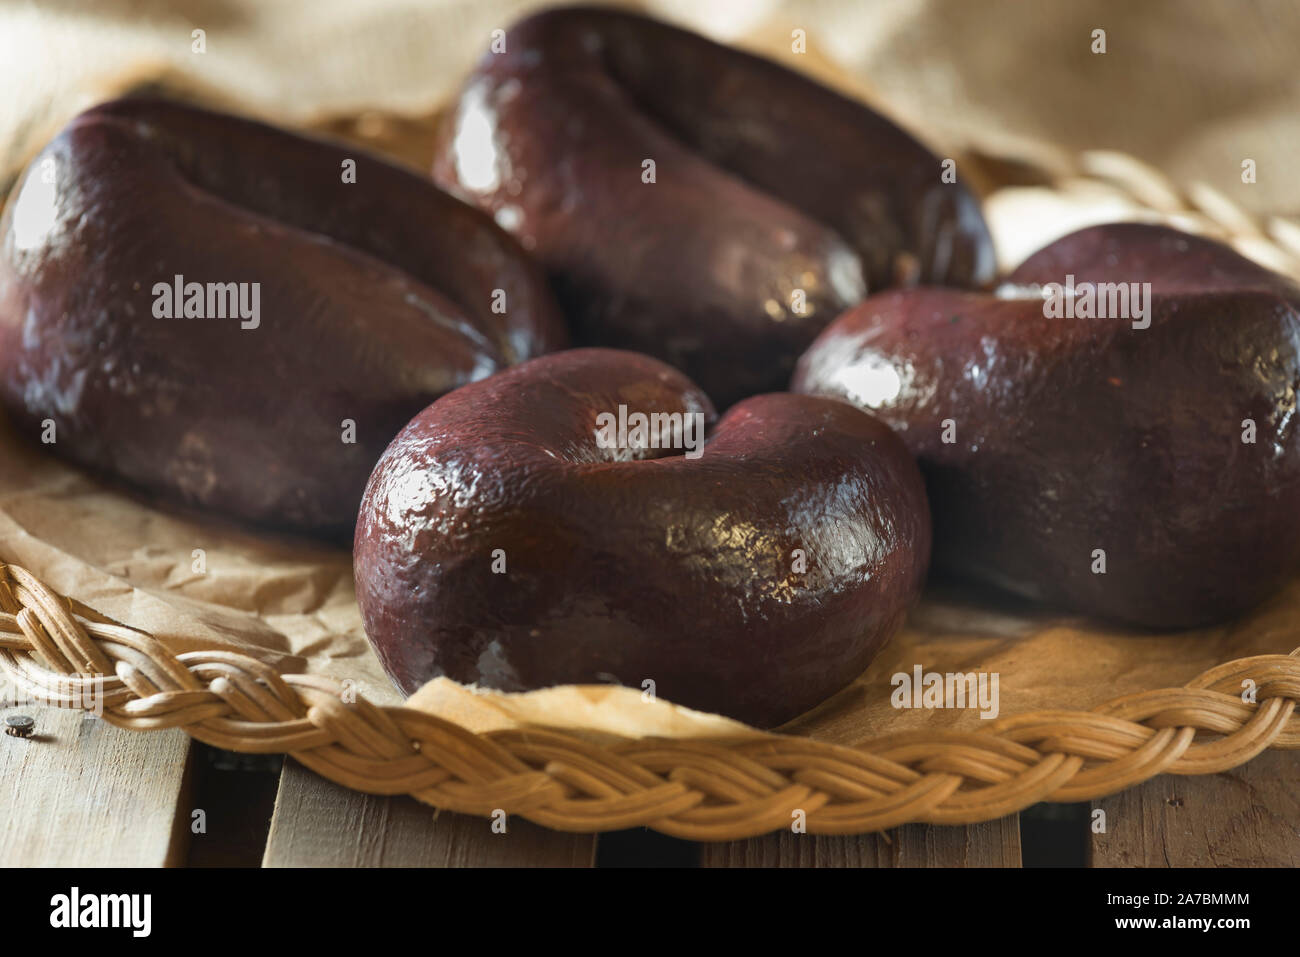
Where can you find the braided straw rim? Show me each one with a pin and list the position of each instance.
(61, 652)
(53, 647)
(1272, 240)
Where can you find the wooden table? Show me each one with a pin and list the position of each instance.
(66, 794)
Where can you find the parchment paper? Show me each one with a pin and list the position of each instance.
(291, 601)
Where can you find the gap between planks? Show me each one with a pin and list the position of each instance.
(992, 844)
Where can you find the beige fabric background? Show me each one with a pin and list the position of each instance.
(1193, 88)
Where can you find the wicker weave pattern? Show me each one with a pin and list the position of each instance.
(700, 790)
(1273, 241)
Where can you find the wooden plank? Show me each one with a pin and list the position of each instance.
(995, 844)
(1247, 817)
(320, 824)
(82, 793)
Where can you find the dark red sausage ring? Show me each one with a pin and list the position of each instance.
(500, 543)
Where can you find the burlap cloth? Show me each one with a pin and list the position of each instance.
(1193, 89)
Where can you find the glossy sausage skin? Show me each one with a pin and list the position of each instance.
(766, 183)
(625, 567)
(1078, 434)
(375, 298)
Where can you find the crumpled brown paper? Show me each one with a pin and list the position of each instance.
(194, 581)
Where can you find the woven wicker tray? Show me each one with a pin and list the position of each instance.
(714, 789)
